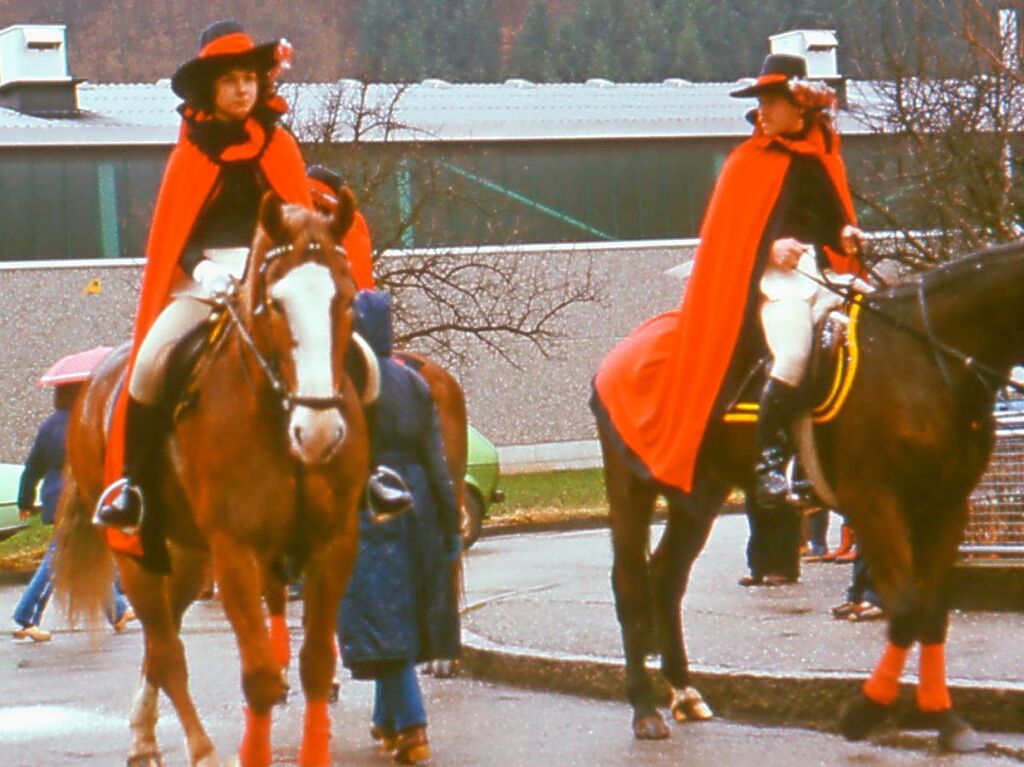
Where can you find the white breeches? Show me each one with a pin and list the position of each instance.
(793, 304)
(178, 318)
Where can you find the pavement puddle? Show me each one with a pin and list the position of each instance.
(22, 723)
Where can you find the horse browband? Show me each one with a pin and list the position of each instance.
(280, 250)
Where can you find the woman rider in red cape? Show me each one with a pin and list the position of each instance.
(230, 151)
(781, 202)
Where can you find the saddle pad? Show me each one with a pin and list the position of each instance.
(839, 375)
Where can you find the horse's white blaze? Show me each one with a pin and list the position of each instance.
(305, 294)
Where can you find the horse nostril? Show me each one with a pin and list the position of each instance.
(297, 434)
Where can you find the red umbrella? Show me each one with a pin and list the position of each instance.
(74, 368)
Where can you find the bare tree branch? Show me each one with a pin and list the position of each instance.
(448, 302)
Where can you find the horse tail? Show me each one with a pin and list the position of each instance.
(84, 565)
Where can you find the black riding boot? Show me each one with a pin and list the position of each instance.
(780, 404)
(143, 433)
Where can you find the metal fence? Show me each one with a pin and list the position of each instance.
(996, 522)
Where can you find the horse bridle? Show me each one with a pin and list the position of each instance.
(941, 351)
(288, 400)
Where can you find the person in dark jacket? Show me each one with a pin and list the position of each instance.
(401, 605)
(44, 464)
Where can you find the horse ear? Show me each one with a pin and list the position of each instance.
(272, 216)
(344, 214)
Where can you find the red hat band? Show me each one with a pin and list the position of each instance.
(772, 79)
(236, 42)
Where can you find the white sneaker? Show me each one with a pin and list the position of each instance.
(34, 633)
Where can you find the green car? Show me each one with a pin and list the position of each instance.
(482, 474)
(10, 477)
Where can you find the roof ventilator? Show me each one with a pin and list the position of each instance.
(819, 47)
(34, 75)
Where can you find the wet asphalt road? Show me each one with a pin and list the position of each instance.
(66, 703)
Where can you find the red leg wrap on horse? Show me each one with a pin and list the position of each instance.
(316, 736)
(255, 748)
(884, 684)
(280, 641)
(932, 694)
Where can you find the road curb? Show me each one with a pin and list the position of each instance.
(573, 524)
(15, 577)
(808, 700)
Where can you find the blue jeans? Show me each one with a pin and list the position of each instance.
(29, 611)
(398, 702)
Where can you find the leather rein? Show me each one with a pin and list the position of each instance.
(228, 301)
(941, 351)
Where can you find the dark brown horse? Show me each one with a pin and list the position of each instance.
(272, 457)
(901, 456)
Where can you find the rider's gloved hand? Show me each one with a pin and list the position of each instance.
(852, 240)
(786, 252)
(214, 279)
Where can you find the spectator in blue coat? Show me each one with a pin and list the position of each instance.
(401, 607)
(45, 463)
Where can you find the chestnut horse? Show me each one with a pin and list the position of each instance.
(450, 401)
(901, 456)
(272, 457)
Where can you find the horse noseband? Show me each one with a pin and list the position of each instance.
(290, 402)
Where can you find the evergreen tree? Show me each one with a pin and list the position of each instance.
(531, 56)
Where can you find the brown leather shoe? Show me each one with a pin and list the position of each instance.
(776, 579)
(412, 746)
(385, 739)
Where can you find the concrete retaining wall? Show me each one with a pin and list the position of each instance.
(535, 410)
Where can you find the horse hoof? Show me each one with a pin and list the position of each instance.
(859, 716)
(651, 727)
(211, 760)
(688, 705)
(145, 760)
(956, 736)
(444, 669)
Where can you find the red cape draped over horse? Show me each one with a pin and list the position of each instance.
(188, 181)
(659, 385)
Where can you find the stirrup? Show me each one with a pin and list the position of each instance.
(799, 489)
(387, 495)
(108, 498)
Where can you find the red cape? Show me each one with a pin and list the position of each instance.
(659, 385)
(359, 250)
(188, 181)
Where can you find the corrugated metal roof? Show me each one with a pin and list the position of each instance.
(140, 114)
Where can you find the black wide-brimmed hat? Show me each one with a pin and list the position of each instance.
(776, 73)
(324, 184)
(222, 45)
(325, 176)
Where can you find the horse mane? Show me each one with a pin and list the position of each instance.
(951, 275)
